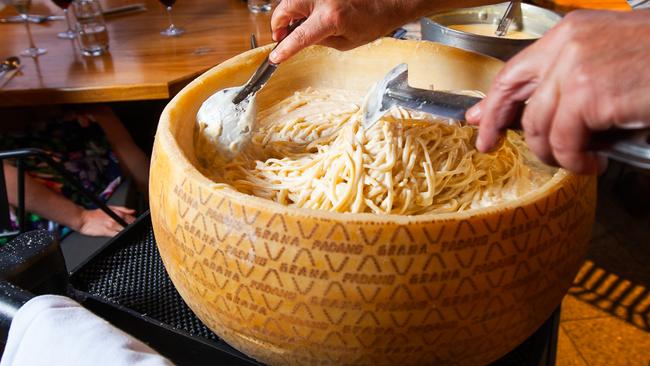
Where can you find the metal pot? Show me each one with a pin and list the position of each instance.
(533, 19)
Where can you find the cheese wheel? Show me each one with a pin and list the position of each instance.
(297, 286)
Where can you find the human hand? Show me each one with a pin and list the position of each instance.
(97, 223)
(587, 75)
(342, 24)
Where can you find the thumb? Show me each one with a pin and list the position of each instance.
(310, 32)
(287, 11)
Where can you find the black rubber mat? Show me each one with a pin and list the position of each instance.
(130, 273)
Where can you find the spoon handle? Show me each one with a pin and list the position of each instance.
(7, 75)
(507, 18)
(263, 72)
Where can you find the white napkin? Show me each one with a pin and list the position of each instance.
(55, 330)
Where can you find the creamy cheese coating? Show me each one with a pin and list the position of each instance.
(309, 150)
(223, 127)
(489, 29)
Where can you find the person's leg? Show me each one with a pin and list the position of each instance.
(55, 207)
(132, 159)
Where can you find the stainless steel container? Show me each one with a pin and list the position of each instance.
(533, 19)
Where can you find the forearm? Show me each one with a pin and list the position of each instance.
(43, 201)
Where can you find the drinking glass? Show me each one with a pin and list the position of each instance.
(92, 34)
(69, 33)
(172, 30)
(259, 6)
(22, 6)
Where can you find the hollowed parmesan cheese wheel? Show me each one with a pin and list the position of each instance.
(298, 286)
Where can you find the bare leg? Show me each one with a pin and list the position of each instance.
(132, 160)
(53, 206)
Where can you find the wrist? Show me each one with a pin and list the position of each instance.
(77, 222)
(415, 8)
(408, 10)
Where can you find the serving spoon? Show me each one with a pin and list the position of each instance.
(227, 118)
(629, 146)
(263, 72)
(506, 20)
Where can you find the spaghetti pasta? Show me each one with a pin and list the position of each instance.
(310, 151)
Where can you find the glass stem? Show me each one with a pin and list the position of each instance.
(66, 13)
(29, 32)
(169, 15)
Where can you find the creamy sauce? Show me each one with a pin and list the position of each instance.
(489, 29)
(223, 127)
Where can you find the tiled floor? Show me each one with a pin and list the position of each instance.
(606, 316)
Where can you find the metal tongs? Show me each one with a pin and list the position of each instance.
(229, 114)
(394, 91)
(628, 146)
(263, 72)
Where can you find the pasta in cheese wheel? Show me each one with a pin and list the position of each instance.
(310, 151)
(406, 263)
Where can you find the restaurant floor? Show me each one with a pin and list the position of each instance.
(606, 315)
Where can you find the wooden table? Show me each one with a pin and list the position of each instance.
(141, 65)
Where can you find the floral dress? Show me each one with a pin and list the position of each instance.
(82, 148)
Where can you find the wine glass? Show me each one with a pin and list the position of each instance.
(22, 6)
(69, 33)
(172, 30)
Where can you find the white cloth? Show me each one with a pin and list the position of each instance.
(55, 330)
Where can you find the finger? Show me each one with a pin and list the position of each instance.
(114, 226)
(514, 84)
(279, 34)
(129, 219)
(287, 11)
(122, 209)
(569, 138)
(110, 232)
(310, 32)
(537, 119)
(115, 208)
(473, 115)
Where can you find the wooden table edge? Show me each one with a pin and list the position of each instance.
(125, 93)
